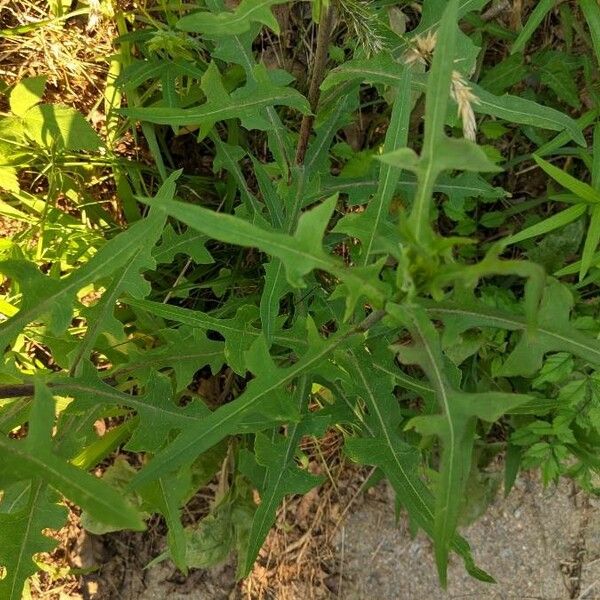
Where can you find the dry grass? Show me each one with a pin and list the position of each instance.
(73, 59)
(298, 559)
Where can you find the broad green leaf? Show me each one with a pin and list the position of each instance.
(229, 23)
(225, 530)
(451, 154)
(21, 535)
(26, 94)
(168, 495)
(63, 126)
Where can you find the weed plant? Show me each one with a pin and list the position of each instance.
(401, 245)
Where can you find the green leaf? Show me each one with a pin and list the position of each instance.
(46, 296)
(591, 12)
(282, 477)
(383, 69)
(553, 331)
(128, 280)
(547, 225)
(274, 288)
(236, 22)
(190, 242)
(224, 530)
(245, 103)
(23, 460)
(591, 243)
(382, 446)
(26, 94)
(542, 8)
(268, 386)
(525, 112)
(21, 535)
(239, 50)
(455, 426)
(158, 413)
(451, 154)
(8, 179)
(389, 174)
(579, 188)
(300, 253)
(436, 109)
(168, 494)
(504, 75)
(63, 126)
(556, 367)
(185, 352)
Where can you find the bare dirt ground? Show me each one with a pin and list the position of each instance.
(538, 544)
(541, 544)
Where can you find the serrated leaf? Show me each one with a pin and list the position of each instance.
(191, 243)
(383, 447)
(129, 280)
(504, 75)
(158, 413)
(8, 179)
(23, 460)
(44, 296)
(21, 536)
(300, 253)
(229, 23)
(269, 385)
(245, 103)
(553, 331)
(283, 477)
(185, 351)
(455, 425)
